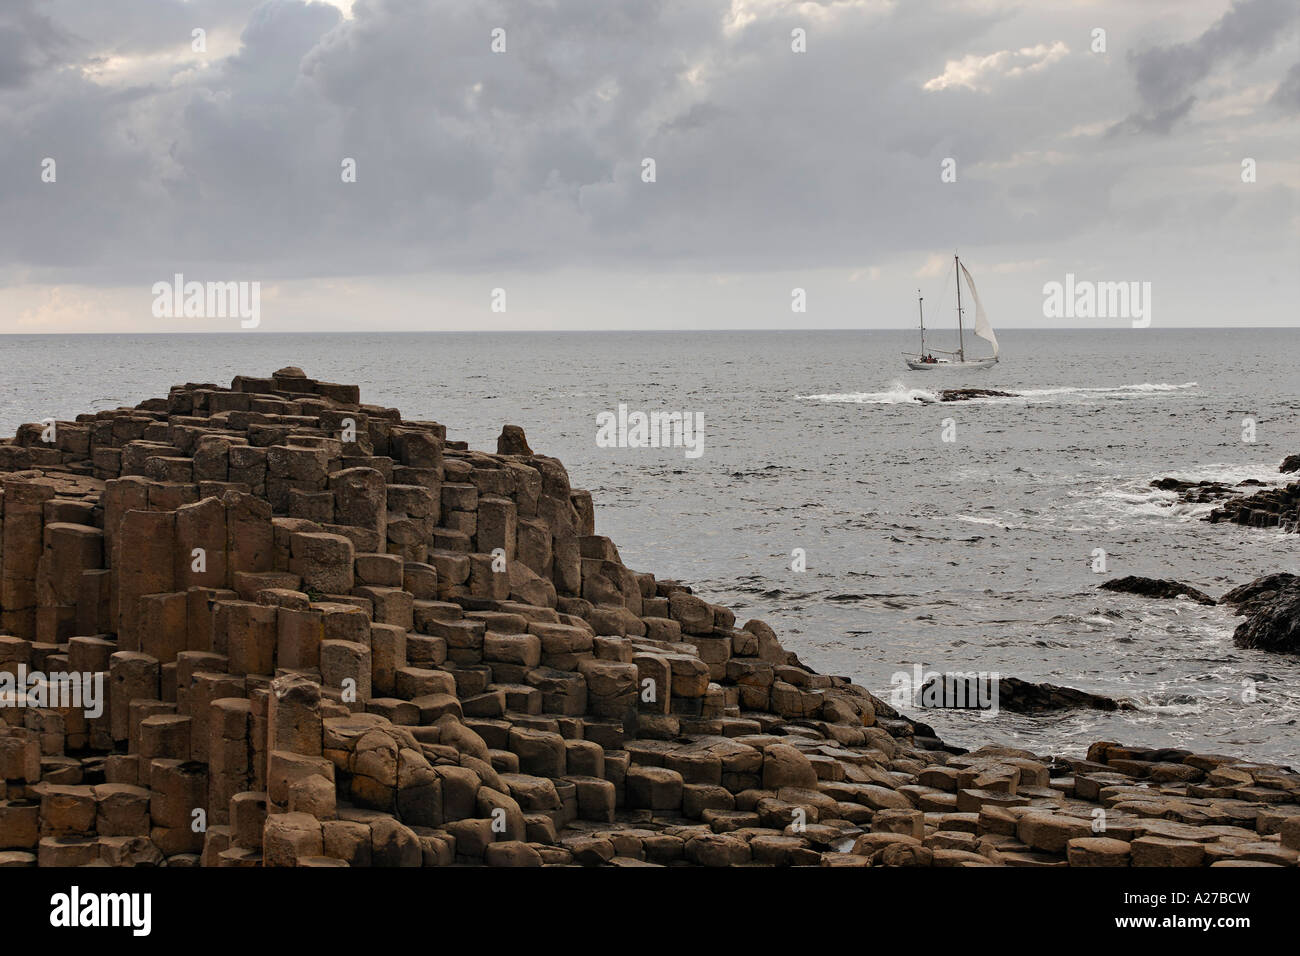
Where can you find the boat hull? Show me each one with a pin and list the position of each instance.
(943, 365)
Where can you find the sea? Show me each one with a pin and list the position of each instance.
(878, 530)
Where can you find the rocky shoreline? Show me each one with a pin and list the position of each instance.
(1270, 604)
(328, 636)
(1266, 508)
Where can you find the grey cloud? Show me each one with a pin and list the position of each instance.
(1287, 94)
(469, 160)
(29, 43)
(1160, 122)
(1166, 75)
(126, 27)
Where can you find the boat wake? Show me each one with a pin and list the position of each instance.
(1142, 388)
(897, 395)
(900, 394)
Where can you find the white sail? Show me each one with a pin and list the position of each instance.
(982, 327)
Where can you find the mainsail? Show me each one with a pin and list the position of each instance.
(982, 327)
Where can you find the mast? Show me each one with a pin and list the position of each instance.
(920, 308)
(961, 345)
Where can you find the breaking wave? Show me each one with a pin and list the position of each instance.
(1141, 388)
(900, 394)
(897, 395)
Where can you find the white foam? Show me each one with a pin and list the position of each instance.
(1140, 388)
(1151, 704)
(976, 519)
(1231, 473)
(1135, 496)
(900, 394)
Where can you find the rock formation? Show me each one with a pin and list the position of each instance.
(328, 636)
(1156, 588)
(1249, 597)
(1201, 492)
(966, 394)
(1270, 508)
(1024, 697)
(1271, 606)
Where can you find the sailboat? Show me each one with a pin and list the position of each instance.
(925, 361)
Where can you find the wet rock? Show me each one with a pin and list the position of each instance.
(1156, 588)
(966, 394)
(1024, 697)
(1272, 614)
(1013, 694)
(1259, 592)
(1270, 508)
(1199, 492)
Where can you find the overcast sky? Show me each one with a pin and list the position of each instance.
(523, 169)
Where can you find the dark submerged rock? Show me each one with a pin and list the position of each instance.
(1024, 697)
(1199, 491)
(966, 394)
(1156, 588)
(1016, 695)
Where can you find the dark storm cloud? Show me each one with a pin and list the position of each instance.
(1167, 75)
(29, 42)
(470, 160)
